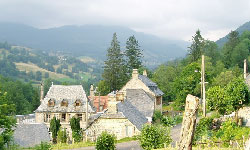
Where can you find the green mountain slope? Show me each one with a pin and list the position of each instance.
(90, 40)
(241, 29)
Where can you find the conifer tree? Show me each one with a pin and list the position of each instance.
(133, 54)
(196, 48)
(228, 48)
(114, 70)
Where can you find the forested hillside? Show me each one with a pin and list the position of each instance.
(29, 65)
(240, 30)
(90, 40)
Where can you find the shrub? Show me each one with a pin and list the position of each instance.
(54, 128)
(62, 136)
(43, 146)
(157, 116)
(105, 141)
(153, 137)
(203, 129)
(77, 135)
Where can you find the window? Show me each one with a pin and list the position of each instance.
(78, 103)
(79, 116)
(63, 117)
(51, 103)
(64, 103)
(158, 100)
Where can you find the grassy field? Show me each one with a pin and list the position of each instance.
(86, 59)
(32, 67)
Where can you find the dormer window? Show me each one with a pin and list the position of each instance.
(64, 103)
(51, 103)
(78, 103)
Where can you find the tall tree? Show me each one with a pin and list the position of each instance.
(114, 70)
(133, 54)
(233, 40)
(7, 120)
(196, 48)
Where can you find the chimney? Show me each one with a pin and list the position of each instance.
(91, 92)
(245, 68)
(112, 108)
(145, 73)
(135, 74)
(41, 92)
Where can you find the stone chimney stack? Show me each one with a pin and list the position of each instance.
(112, 108)
(135, 74)
(245, 68)
(41, 92)
(145, 73)
(91, 93)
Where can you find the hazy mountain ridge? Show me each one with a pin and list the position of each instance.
(90, 40)
(240, 29)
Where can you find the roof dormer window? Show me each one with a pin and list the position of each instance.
(64, 103)
(51, 103)
(78, 103)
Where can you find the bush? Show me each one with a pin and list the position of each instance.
(105, 141)
(153, 137)
(77, 136)
(43, 146)
(203, 129)
(62, 136)
(231, 131)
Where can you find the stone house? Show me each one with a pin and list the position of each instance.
(63, 102)
(128, 109)
(142, 82)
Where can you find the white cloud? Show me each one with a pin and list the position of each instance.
(175, 19)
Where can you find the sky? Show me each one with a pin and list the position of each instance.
(171, 19)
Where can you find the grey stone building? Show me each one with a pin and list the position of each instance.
(64, 102)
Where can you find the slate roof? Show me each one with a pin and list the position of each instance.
(71, 93)
(28, 135)
(133, 115)
(152, 86)
(141, 101)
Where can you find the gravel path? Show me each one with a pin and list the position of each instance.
(132, 145)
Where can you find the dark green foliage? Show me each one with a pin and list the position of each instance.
(106, 141)
(75, 124)
(23, 95)
(103, 87)
(196, 48)
(133, 53)
(233, 40)
(62, 136)
(167, 121)
(203, 129)
(38, 76)
(153, 137)
(7, 120)
(46, 85)
(76, 130)
(187, 83)
(54, 128)
(114, 70)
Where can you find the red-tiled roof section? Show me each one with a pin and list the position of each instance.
(103, 102)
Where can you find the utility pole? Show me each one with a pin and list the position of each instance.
(86, 136)
(203, 85)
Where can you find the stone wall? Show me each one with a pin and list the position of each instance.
(121, 127)
(245, 114)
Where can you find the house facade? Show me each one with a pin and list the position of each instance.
(63, 102)
(128, 109)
